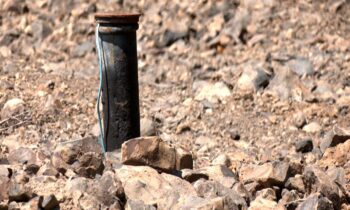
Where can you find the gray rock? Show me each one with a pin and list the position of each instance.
(317, 181)
(82, 49)
(301, 66)
(304, 146)
(332, 139)
(40, 29)
(213, 189)
(337, 174)
(316, 202)
(147, 127)
(49, 202)
(253, 78)
(299, 120)
(19, 192)
(108, 189)
(84, 157)
(221, 160)
(138, 205)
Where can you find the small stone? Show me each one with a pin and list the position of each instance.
(33, 204)
(137, 204)
(5, 171)
(213, 92)
(83, 49)
(48, 170)
(4, 206)
(192, 175)
(49, 202)
(299, 120)
(296, 183)
(221, 160)
(301, 66)
(31, 169)
(304, 146)
(12, 107)
(40, 29)
(262, 204)
(18, 6)
(147, 127)
(315, 202)
(312, 127)
(253, 79)
(267, 193)
(235, 135)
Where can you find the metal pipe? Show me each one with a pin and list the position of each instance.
(120, 92)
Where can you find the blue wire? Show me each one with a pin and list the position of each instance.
(98, 46)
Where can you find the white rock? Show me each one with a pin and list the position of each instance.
(11, 107)
(213, 92)
(313, 127)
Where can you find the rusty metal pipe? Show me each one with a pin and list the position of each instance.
(120, 92)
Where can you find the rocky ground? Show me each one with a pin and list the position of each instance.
(249, 100)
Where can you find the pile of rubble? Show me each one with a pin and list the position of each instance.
(249, 101)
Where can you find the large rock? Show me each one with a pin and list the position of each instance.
(152, 151)
(317, 181)
(146, 184)
(108, 189)
(267, 174)
(213, 189)
(316, 202)
(333, 138)
(84, 157)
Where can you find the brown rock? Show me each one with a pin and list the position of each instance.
(146, 184)
(84, 157)
(221, 174)
(152, 151)
(22, 156)
(296, 183)
(267, 175)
